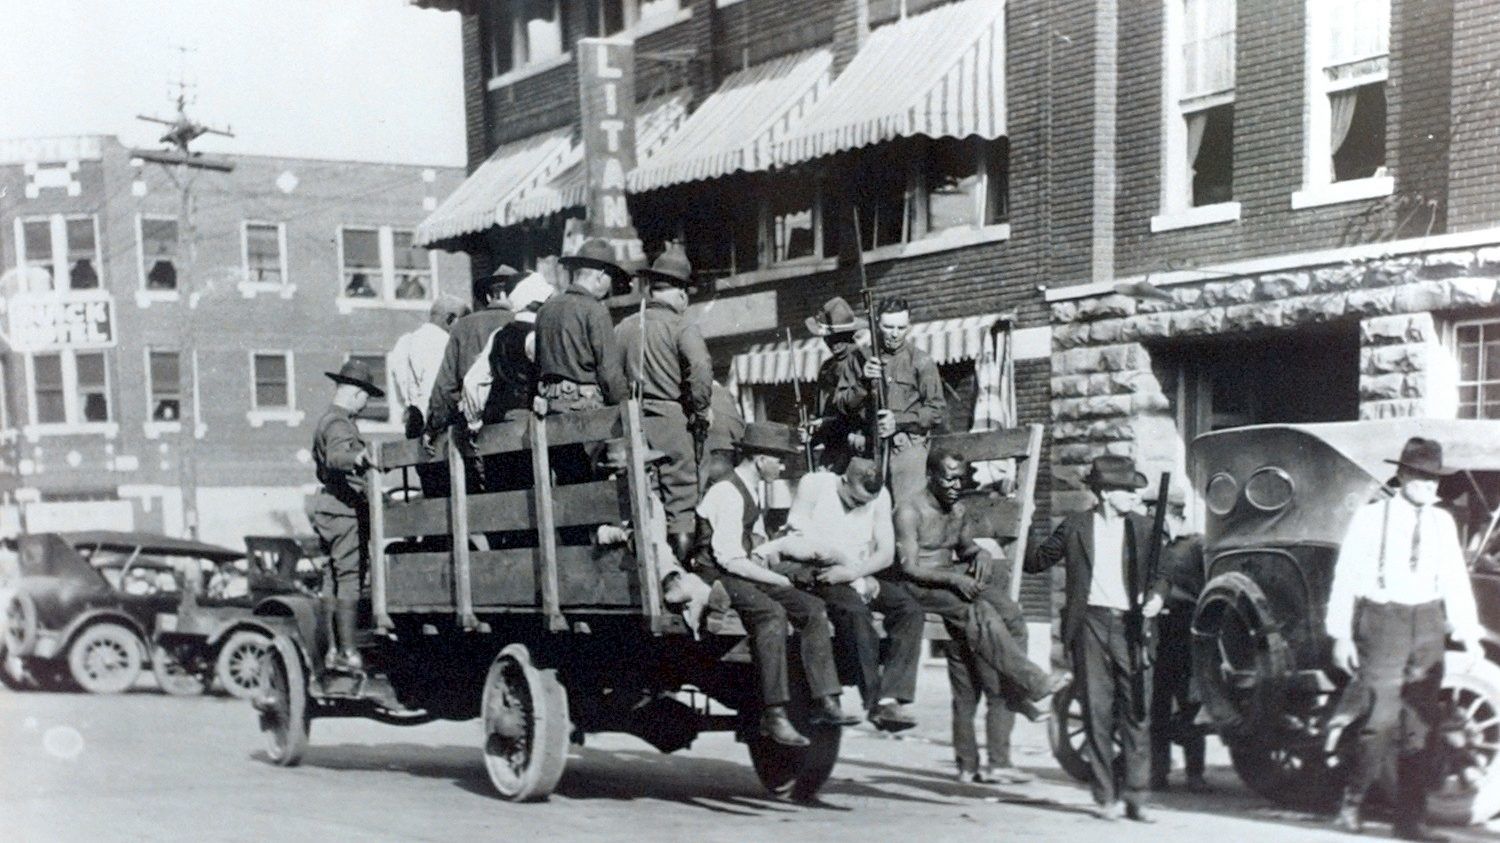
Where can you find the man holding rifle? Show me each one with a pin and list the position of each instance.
(839, 435)
(1112, 599)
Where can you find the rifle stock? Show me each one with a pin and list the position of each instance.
(879, 448)
(807, 446)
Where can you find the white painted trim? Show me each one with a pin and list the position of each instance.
(1354, 190)
(258, 418)
(249, 288)
(947, 239)
(1277, 263)
(108, 429)
(1196, 216)
(144, 296)
(158, 429)
(657, 23)
(511, 77)
(291, 386)
(346, 306)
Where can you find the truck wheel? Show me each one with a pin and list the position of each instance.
(1067, 735)
(238, 665)
(281, 700)
(1303, 777)
(173, 676)
(526, 726)
(796, 773)
(1470, 789)
(105, 659)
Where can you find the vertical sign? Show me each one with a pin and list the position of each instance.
(606, 104)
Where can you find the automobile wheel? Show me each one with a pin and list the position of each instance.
(1067, 735)
(1470, 789)
(526, 727)
(281, 701)
(1304, 777)
(239, 662)
(20, 624)
(795, 773)
(174, 676)
(105, 659)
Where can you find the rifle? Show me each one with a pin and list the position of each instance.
(880, 448)
(807, 447)
(1143, 631)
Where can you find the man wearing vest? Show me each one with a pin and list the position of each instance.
(1399, 586)
(577, 355)
(730, 521)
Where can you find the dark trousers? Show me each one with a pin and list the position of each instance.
(1172, 705)
(1401, 664)
(666, 430)
(967, 686)
(1102, 666)
(858, 651)
(1005, 648)
(765, 610)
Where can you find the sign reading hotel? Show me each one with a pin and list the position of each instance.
(606, 101)
(56, 321)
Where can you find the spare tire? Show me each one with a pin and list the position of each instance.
(20, 624)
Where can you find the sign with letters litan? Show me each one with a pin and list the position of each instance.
(56, 321)
(606, 100)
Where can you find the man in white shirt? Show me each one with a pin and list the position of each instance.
(416, 357)
(1399, 586)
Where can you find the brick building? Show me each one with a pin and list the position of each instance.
(1312, 184)
(144, 358)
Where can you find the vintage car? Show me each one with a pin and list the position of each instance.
(95, 607)
(1279, 499)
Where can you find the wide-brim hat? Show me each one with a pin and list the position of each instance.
(1114, 472)
(836, 316)
(670, 269)
(862, 477)
(356, 373)
(595, 254)
(771, 438)
(1424, 456)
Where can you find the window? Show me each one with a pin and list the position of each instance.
(164, 385)
(159, 253)
(377, 409)
(879, 193)
(1478, 345)
(523, 32)
(926, 188)
(69, 388)
(1348, 62)
(793, 213)
(264, 263)
(1198, 113)
(384, 265)
(650, 9)
(273, 382)
(722, 237)
(61, 241)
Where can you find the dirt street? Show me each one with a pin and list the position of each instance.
(144, 766)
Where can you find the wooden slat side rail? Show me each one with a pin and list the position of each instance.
(375, 500)
(459, 515)
(409, 452)
(589, 426)
(577, 505)
(418, 517)
(1026, 493)
(1000, 444)
(650, 581)
(998, 518)
(588, 577)
(545, 571)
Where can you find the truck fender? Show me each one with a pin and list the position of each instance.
(300, 618)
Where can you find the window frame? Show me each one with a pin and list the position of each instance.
(1459, 383)
(386, 292)
(257, 415)
(154, 427)
(73, 421)
(249, 286)
(58, 245)
(1175, 208)
(144, 292)
(915, 216)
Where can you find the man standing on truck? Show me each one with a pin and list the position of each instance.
(339, 512)
(730, 522)
(1399, 586)
(838, 434)
(577, 354)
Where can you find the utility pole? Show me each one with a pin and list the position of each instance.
(183, 166)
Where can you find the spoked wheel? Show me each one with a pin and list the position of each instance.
(175, 677)
(105, 659)
(20, 624)
(1470, 789)
(238, 665)
(526, 726)
(1067, 734)
(1305, 777)
(282, 702)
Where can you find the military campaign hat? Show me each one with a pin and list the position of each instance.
(671, 269)
(771, 438)
(503, 274)
(595, 254)
(357, 373)
(836, 316)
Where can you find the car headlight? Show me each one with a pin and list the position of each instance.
(1221, 493)
(1270, 489)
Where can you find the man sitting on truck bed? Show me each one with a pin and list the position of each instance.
(730, 522)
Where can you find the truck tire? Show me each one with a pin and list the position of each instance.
(524, 714)
(1470, 789)
(282, 703)
(238, 665)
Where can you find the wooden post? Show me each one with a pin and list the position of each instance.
(375, 500)
(458, 511)
(1026, 488)
(640, 508)
(546, 527)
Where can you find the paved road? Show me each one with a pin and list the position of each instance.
(144, 766)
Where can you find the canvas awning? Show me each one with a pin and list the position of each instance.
(940, 74)
(735, 128)
(945, 340)
(657, 120)
(512, 169)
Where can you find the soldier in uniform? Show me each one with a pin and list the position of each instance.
(665, 356)
(914, 396)
(577, 355)
(339, 512)
(832, 430)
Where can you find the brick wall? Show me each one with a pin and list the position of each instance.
(1474, 185)
(1420, 100)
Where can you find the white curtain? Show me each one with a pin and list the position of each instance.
(1357, 30)
(995, 403)
(1341, 116)
(1208, 47)
(1196, 123)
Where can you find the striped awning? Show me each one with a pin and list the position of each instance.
(940, 74)
(655, 122)
(945, 340)
(481, 200)
(735, 128)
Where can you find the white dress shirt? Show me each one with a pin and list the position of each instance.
(724, 510)
(414, 364)
(1380, 562)
(818, 512)
(1107, 585)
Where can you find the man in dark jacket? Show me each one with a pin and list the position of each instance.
(466, 339)
(666, 358)
(831, 430)
(1107, 592)
(577, 355)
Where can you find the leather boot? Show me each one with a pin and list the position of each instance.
(346, 625)
(827, 712)
(682, 546)
(775, 725)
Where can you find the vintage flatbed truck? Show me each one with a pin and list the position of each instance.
(549, 636)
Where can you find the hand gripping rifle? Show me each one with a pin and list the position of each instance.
(807, 447)
(880, 448)
(1142, 630)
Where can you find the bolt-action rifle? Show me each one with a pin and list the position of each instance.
(1141, 629)
(880, 448)
(802, 421)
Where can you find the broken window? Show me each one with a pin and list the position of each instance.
(165, 386)
(1211, 151)
(1358, 131)
(159, 253)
